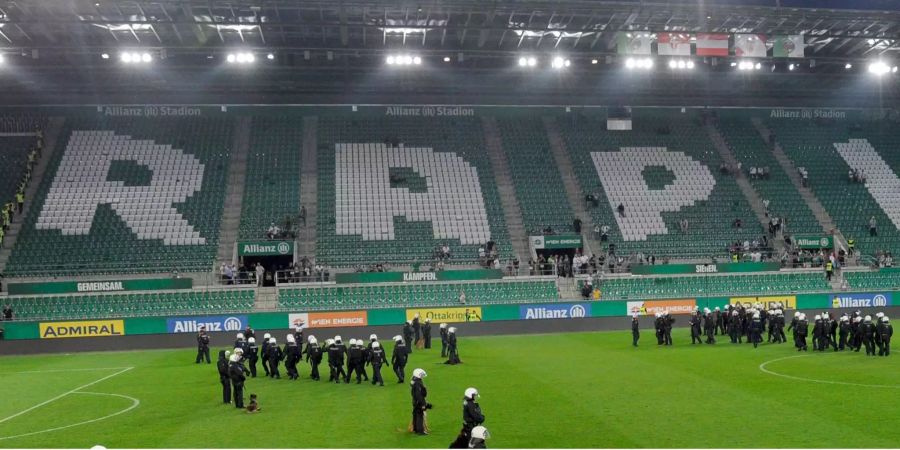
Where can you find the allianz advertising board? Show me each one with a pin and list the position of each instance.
(555, 311)
(864, 300)
(212, 323)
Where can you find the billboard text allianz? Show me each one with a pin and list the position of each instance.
(192, 326)
(576, 311)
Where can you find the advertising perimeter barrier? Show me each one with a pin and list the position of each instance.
(570, 309)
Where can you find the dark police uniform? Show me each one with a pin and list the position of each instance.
(224, 377)
(236, 371)
(202, 347)
(398, 360)
(252, 357)
(314, 358)
(419, 404)
(377, 359)
(426, 333)
(635, 331)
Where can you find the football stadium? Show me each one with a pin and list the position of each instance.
(449, 223)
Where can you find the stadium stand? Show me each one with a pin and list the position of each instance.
(415, 295)
(538, 184)
(272, 190)
(158, 204)
(130, 305)
(882, 279)
(816, 146)
(397, 228)
(671, 287)
(710, 229)
(752, 151)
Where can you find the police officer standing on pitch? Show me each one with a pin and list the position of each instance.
(408, 335)
(426, 332)
(802, 331)
(695, 328)
(443, 328)
(887, 330)
(202, 345)
(224, 375)
(264, 353)
(472, 415)
(236, 372)
(419, 401)
(452, 348)
(291, 356)
(635, 329)
(668, 321)
(274, 356)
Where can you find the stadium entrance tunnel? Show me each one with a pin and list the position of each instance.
(272, 264)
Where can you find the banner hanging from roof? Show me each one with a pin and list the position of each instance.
(788, 46)
(634, 43)
(750, 45)
(674, 44)
(712, 44)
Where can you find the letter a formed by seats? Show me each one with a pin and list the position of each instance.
(621, 174)
(81, 185)
(881, 182)
(366, 204)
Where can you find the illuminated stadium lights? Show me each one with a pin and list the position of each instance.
(104, 55)
(748, 65)
(594, 61)
(791, 67)
(527, 61)
(241, 58)
(270, 56)
(878, 68)
(680, 64)
(403, 60)
(446, 59)
(2, 58)
(848, 66)
(135, 57)
(639, 63)
(559, 62)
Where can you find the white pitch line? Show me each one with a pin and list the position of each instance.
(64, 370)
(64, 394)
(762, 367)
(134, 404)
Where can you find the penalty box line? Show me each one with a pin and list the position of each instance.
(64, 394)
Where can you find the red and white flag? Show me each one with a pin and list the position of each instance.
(674, 44)
(712, 44)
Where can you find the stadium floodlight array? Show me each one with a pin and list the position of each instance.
(135, 57)
(748, 65)
(527, 61)
(560, 63)
(681, 64)
(2, 58)
(403, 60)
(880, 68)
(241, 58)
(639, 63)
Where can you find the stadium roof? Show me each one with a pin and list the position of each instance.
(332, 41)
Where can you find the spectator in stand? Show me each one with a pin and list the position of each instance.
(260, 274)
(302, 215)
(753, 173)
(766, 206)
(621, 210)
(683, 225)
(604, 233)
(736, 223)
(273, 231)
(445, 251)
(7, 313)
(873, 227)
(462, 297)
(576, 225)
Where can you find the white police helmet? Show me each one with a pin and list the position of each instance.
(428, 320)
(857, 319)
(337, 339)
(717, 308)
(756, 315)
(398, 338)
(480, 432)
(234, 358)
(329, 341)
(451, 330)
(376, 344)
(885, 319)
(251, 340)
(868, 318)
(879, 314)
(237, 351)
(443, 325)
(419, 373)
(797, 313)
(272, 341)
(802, 316)
(312, 340)
(818, 317)
(227, 353)
(240, 336)
(290, 338)
(471, 393)
(267, 336)
(706, 310)
(373, 338)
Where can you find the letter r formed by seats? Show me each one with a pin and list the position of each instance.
(81, 186)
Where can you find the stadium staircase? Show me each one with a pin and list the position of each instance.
(750, 194)
(574, 192)
(511, 209)
(266, 299)
(234, 194)
(821, 215)
(309, 185)
(51, 135)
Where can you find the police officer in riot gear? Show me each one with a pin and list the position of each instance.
(202, 345)
(695, 328)
(291, 354)
(452, 348)
(399, 358)
(274, 356)
(443, 328)
(224, 375)
(419, 401)
(377, 359)
(236, 373)
(426, 332)
(802, 331)
(264, 353)
(635, 330)
(868, 335)
(843, 331)
(252, 355)
(355, 361)
(313, 356)
(887, 330)
(472, 415)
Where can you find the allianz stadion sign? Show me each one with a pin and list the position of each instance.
(813, 241)
(265, 248)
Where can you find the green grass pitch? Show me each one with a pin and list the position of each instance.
(562, 390)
